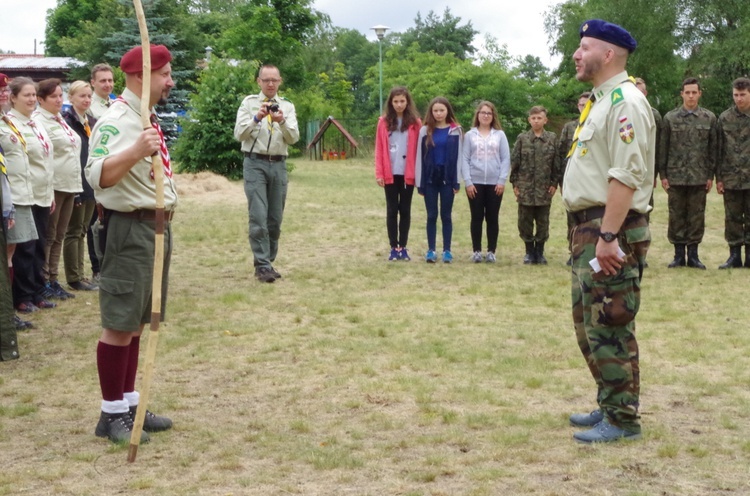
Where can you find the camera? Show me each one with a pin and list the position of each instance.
(273, 108)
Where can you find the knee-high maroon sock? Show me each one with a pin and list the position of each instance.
(112, 363)
(135, 347)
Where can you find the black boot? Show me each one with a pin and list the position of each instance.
(529, 258)
(679, 257)
(735, 258)
(540, 253)
(692, 258)
(747, 256)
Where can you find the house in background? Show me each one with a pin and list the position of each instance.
(38, 67)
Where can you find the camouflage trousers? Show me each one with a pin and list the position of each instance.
(737, 216)
(527, 216)
(604, 310)
(687, 214)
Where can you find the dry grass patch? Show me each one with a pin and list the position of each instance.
(357, 376)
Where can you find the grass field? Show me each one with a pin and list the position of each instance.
(357, 376)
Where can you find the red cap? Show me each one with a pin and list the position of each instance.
(4, 80)
(132, 61)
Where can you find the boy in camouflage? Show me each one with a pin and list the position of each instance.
(534, 173)
(733, 173)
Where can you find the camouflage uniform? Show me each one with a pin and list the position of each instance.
(657, 119)
(564, 142)
(533, 169)
(8, 338)
(687, 159)
(734, 172)
(617, 141)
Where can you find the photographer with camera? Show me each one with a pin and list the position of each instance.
(266, 126)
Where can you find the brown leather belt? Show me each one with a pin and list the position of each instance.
(593, 213)
(145, 214)
(267, 158)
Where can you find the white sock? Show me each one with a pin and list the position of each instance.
(117, 406)
(132, 397)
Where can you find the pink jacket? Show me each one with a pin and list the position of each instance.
(383, 154)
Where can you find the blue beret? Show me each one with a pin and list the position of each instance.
(132, 61)
(611, 33)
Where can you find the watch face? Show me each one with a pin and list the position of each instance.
(608, 236)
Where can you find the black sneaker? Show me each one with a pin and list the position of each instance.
(117, 427)
(275, 273)
(83, 285)
(264, 274)
(59, 291)
(21, 325)
(152, 422)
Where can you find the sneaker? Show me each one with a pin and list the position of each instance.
(404, 255)
(62, 294)
(447, 257)
(47, 293)
(152, 422)
(26, 307)
(490, 257)
(430, 256)
(394, 255)
(117, 427)
(264, 274)
(21, 325)
(45, 304)
(586, 419)
(604, 432)
(83, 285)
(477, 257)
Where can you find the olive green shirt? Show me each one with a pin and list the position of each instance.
(564, 142)
(734, 149)
(66, 160)
(533, 167)
(266, 137)
(116, 131)
(617, 141)
(687, 147)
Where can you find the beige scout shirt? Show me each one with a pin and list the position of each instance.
(617, 141)
(40, 159)
(66, 161)
(99, 105)
(273, 138)
(17, 163)
(117, 130)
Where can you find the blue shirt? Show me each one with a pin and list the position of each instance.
(440, 139)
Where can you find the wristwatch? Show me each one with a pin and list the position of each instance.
(608, 236)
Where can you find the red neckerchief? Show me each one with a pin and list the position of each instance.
(163, 151)
(66, 128)
(39, 136)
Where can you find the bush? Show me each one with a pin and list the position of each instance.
(207, 140)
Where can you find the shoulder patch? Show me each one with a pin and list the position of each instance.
(617, 96)
(627, 133)
(109, 129)
(100, 151)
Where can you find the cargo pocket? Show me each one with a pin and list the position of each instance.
(614, 300)
(117, 302)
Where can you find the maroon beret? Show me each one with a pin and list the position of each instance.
(4, 80)
(132, 61)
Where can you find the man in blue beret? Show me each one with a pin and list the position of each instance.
(607, 186)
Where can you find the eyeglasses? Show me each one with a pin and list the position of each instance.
(488, 114)
(5, 90)
(270, 81)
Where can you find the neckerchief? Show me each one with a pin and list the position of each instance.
(3, 170)
(15, 130)
(581, 120)
(66, 128)
(39, 136)
(163, 151)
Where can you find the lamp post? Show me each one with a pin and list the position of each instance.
(380, 32)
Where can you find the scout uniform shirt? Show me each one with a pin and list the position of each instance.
(617, 141)
(734, 149)
(66, 144)
(116, 131)
(265, 137)
(16, 162)
(99, 105)
(40, 151)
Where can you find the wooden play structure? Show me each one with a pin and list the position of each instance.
(337, 147)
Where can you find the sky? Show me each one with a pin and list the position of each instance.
(518, 24)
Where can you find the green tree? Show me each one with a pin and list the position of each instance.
(67, 20)
(441, 35)
(207, 140)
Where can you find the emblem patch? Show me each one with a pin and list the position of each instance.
(109, 129)
(627, 134)
(100, 151)
(617, 96)
(13, 139)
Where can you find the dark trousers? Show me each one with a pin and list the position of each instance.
(95, 262)
(485, 207)
(687, 214)
(28, 261)
(528, 215)
(737, 216)
(443, 195)
(398, 211)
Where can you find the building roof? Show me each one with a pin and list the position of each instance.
(338, 126)
(19, 62)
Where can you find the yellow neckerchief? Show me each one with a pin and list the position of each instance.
(15, 130)
(581, 120)
(270, 119)
(3, 170)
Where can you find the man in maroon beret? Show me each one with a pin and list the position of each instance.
(119, 170)
(4, 92)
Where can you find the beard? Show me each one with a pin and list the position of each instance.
(589, 69)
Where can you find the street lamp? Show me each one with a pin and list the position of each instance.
(380, 32)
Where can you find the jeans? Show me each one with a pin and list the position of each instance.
(443, 193)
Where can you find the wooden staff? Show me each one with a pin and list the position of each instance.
(158, 171)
